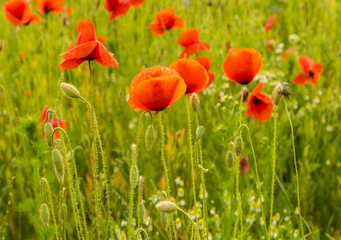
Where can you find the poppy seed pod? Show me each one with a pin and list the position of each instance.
(285, 87)
(194, 102)
(238, 146)
(150, 137)
(166, 206)
(229, 160)
(200, 132)
(276, 95)
(48, 129)
(58, 165)
(69, 90)
(45, 215)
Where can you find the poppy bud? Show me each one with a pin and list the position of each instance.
(229, 160)
(166, 206)
(276, 95)
(58, 165)
(194, 102)
(1, 45)
(150, 137)
(69, 90)
(45, 215)
(238, 146)
(134, 176)
(142, 212)
(164, 219)
(200, 132)
(59, 145)
(48, 129)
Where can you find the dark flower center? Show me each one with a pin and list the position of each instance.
(47, 9)
(311, 74)
(256, 100)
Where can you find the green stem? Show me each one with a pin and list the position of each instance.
(240, 108)
(296, 171)
(193, 223)
(273, 170)
(139, 200)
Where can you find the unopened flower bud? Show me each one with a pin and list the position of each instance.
(150, 137)
(229, 160)
(238, 146)
(194, 102)
(277, 94)
(134, 176)
(166, 206)
(58, 165)
(200, 132)
(48, 129)
(45, 215)
(69, 90)
(142, 212)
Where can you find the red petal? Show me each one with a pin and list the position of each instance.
(105, 58)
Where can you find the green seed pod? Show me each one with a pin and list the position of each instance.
(45, 215)
(238, 146)
(194, 102)
(276, 94)
(285, 86)
(48, 129)
(229, 160)
(200, 132)
(58, 165)
(150, 137)
(166, 206)
(69, 90)
(164, 219)
(134, 176)
(141, 212)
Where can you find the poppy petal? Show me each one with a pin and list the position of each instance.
(70, 63)
(317, 69)
(178, 22)
(305, 62)
(80, 51)
(301, 78)
(85, 31)
(156, 29)
(189, 37)
(105, 58)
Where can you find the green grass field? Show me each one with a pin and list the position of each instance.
(29, 83)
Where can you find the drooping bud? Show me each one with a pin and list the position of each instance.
(166, 206)
(194, 102)
(238, 146)
(229, 160)
(45, 215)
(200, 132)
(58, 165)
(48, 129)
(59, 145)
(277, 94)
(134, 176)
(150, 137)
(69, 90)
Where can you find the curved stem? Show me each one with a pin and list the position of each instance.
(273, 170)
(296, 171)
(143, 231)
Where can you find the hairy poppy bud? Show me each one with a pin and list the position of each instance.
(166, 206)
(277, 94)
(48, 129)
(229, 160)
(200, 132)
(150, 137)
(58, 165)
(164, 219)
(69, 90)
(142, 212)
(134, 176)
(45, 215)
(194, 102)
(238, 146)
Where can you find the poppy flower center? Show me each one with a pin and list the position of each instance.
(47, 9)
(256, 100)
(311, 74)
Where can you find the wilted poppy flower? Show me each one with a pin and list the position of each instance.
(311, 71)
(288, 52)
(18, 12)
(270, 22)
(166, 19)
(194, 74)
(46, 6)
(244, 165)
(155, 89)
(271, 44)
(117, 7)
(189, 39)
(242, 64)
(63, 124)
(136, 2)
(206, 62)
(87, 48)
(259, 105)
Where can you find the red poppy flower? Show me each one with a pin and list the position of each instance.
(288, 52)
(63, 124)
(18, 12)
(117, 7)
(165, 20)
(189, 39)
(259, 105)
(271, 44)
(69, 11)
(102, 40)
(155, 89)
(206, 62)
(194, 74)
(270, 22)
(311, 71)
(244, 165)
(87, 48)
(242, 64)
(46, 6)
(136, 2)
